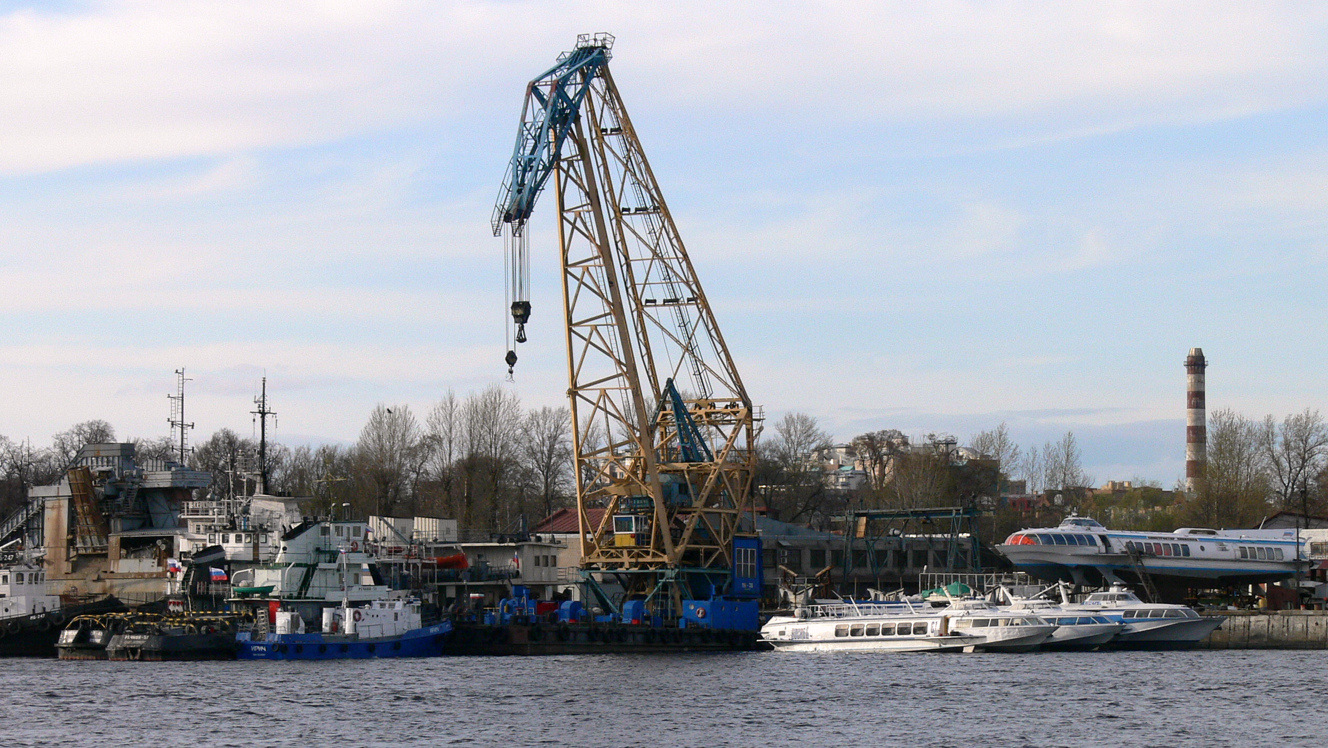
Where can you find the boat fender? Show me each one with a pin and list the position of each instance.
(359, 616)
(536, 633)
(3, 632)
(620, 635)
(43, 624)
(57, 617)
(564, 632)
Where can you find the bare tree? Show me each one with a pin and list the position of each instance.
(160, 448)
(997, 445)
(1030, 468)
(1296, 450)
(232, 462)
(444, 446)
(795, 488)
(389, 456)
(1061, 465)
(877, 451)
(493, 420)
(67, 443)
(548, 455)
(920, 478)
(1234, 487)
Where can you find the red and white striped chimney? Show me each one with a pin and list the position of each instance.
(1196, 418)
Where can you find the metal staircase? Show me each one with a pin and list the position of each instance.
(17, 520)
(1136, 561)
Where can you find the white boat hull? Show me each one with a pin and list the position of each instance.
(1165, 633)
(951, 643)
(1015, 638)
(1082, 636)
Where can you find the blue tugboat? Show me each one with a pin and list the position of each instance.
(383, 628)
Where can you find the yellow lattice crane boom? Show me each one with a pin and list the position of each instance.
(663, 429)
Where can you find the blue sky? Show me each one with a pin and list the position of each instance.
(930, 217)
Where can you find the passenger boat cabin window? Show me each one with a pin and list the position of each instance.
(874, 630)
(855, 630)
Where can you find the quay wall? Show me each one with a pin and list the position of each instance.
(1280, 629)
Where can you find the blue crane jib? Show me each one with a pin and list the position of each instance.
(553, 103)
(691, 442)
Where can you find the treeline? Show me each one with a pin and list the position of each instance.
(481, 459)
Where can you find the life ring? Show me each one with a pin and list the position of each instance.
(354, 547)
(358, 616)
(700, 613)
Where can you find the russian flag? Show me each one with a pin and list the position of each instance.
(172, 565)
(218, 575)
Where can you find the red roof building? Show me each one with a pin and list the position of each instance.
(564, 521)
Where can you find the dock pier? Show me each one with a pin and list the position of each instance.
(1272, 629)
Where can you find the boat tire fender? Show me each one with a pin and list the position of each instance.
(536, 633)
(564, 632)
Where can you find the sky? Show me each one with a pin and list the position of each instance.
(933, 217)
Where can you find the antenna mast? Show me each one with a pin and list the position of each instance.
(261, 416)
(177, 413)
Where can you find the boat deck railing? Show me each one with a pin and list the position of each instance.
(854, 609)
(982, 583)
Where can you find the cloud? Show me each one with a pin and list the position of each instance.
(117, 82)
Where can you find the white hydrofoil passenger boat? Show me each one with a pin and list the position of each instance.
(864, 627)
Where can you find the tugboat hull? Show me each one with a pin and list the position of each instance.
(429, 641)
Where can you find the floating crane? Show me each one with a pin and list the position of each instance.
(662, 427)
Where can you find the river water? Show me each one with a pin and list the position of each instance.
(1211, 698)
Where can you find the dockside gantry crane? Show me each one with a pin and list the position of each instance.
(662, 427)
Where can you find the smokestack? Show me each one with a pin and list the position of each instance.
(1196, 418)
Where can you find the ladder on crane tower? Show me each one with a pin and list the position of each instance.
(1146, 579)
